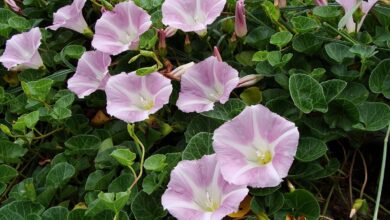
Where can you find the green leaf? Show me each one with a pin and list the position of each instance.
(3, 187)
(21, 208)
(302, 203)
(271, 10)
(330, 169)
(37, 89)
(304, 24)
(124, 156)
(28, 120)
(264, 191)
(147, 207)
(82, 144)
(332, 88)
(338, 52)
(56, 213)
(65, 101)
(310, 149)
(7, 173)
(281, 39)
(259, 37)
(327, 12)
(19, 23)
(10, 152)
(198, 146)
(59, 175)
(201, 124)
(380, 78)
(114, 201)
(5, 28)
(260, 56)
(354, 92)
(99, 180)
(226, 111)
(251, 96)
(25, 190)
(148, 39)
(306, 43)
(156, 162)
(245, 58)
(374, 116)
(276, 59)
(342, 113)
(307, 94)
(363, 51)
(74, 51)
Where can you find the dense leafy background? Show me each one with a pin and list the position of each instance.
(56, 151)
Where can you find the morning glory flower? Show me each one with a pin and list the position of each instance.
(348, 5)
(133, 98)
(21, 51)
(91, 73)
(12, 4)
(191, 15)
(256, 148)
(205, 83)
(240, 27)
(71, 17)
(119, 30)
(198, 191)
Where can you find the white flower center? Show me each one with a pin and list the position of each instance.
(145, 103)
(210, 204)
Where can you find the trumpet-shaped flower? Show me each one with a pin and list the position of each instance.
(198, 191)
(12, 4)
(365, 7)
(71, 17)
(21, 51)
(91, 73)
(120, 29)
(256, 148)
(191, 15)
(205, 83)
(133, 98)
(240, 27)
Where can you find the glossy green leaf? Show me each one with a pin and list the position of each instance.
(60, 174)
(124, 156)
(198, 146)
(7, 173)
(374, 116)
(155, 162)
(380, 78)
(310, 149)
(226, 111)
(332, 88)
(302, 203)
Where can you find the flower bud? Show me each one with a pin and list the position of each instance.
(321, 2)
(162, 46)
(180, 70)
(240, 20)
(12, 4)
(356, 206)
(187, 44)
(280, 3)
(249, 80)
(170, 31)
(217, 54)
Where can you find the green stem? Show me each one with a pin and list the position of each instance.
(382, 174)
(140, 145)
(346, 36)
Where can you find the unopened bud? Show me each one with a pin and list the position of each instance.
(249, 80)
(170, 31)
(240, 21)
(187, 44)
(217, 54)
(290, 186)
(162, 46)
(321, 2)
(12, 4)
(356, 206)
(280, 3)
(179, 71)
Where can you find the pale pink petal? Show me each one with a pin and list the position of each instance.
(13, 5)
(256, 148)
(191, 15)
(240, 27)
(21, 51)
(133, 98)
(366, 7)
(120, 29)
(71, 17)
(198, 191)
(348, 5)
(91, 73)
(205, 83)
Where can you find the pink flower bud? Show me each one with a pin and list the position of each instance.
(217, 54)
(321, 2)
(249, 80)
(240, 21)
(162, 46)
(12, 4)
(170, 31)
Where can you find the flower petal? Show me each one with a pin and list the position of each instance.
(91, 73)
(254, 136)
(21, 51)
(132, 98)
(197, 191)
(120, 29)
(205, 83)
(191, 15)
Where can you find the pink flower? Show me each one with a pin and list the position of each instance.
(119, 30)
(191, 15)
(21, 51)
(13, 5)
(71, 17)
(240, 20)
(321, 2)
(205, 83)
(197, 191)
(348, 5)
(249, 80)
(133, 98)
(91, 73)
(256, 148)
